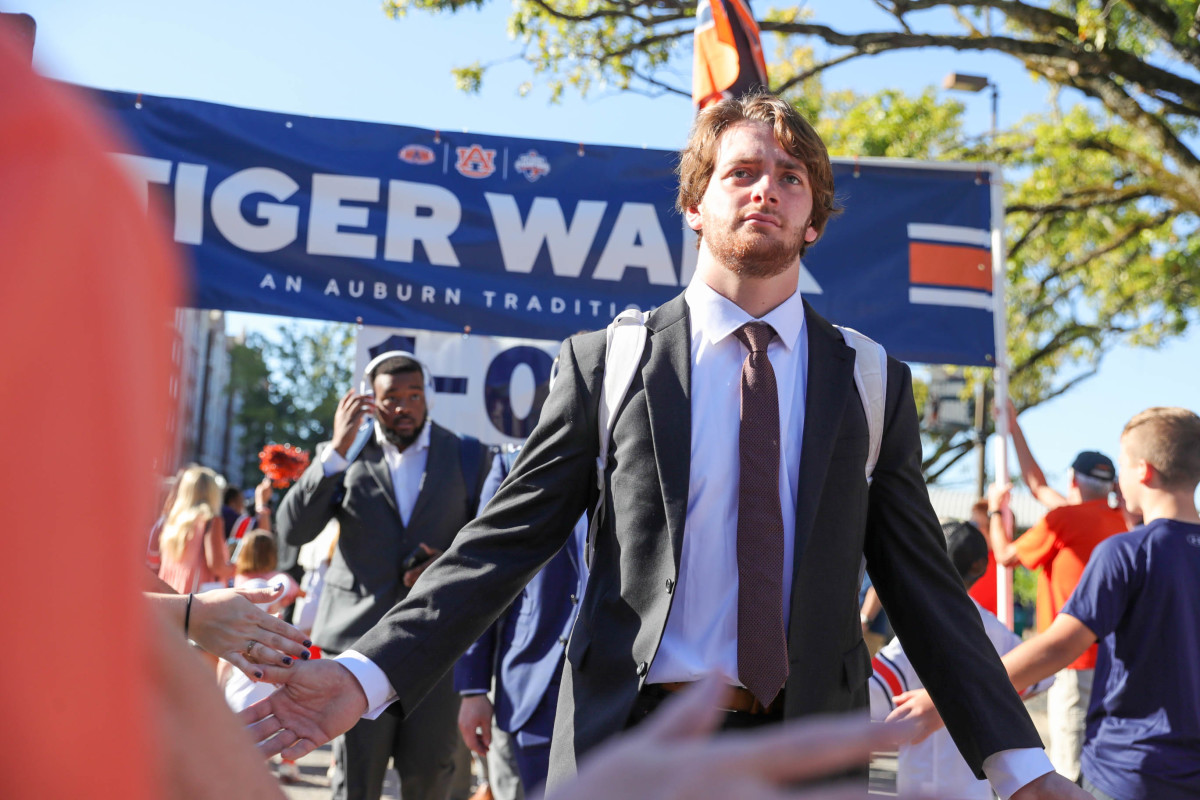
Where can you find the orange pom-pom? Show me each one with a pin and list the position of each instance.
(282, 463)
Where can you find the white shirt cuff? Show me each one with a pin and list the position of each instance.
(333, 462)
(1010, 770)
(372, 679)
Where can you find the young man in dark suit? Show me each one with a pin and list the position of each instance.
(736, 511)
(406, 493)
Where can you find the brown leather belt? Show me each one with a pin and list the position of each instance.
(738, 698)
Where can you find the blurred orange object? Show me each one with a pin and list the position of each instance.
(282, 464)
(85, 318)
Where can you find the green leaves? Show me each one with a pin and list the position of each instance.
(290, 385)
(1103, 194)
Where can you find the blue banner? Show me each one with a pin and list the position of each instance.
(445, 231)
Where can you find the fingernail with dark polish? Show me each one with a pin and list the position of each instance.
(306, 655)
(307, 642)
(258, 674)
(287, 660)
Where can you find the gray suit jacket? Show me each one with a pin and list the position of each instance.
(364, 578)
(638, 536)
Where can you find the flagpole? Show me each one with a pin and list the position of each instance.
(1004, 575)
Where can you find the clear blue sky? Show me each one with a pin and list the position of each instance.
(347, 60)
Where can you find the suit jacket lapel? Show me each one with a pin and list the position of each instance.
(440, 461)
(374, 462)
(830, 380)
(667, 377)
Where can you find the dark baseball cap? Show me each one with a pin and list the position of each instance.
(1094, 465)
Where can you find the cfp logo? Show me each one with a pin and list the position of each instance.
(1194, 539)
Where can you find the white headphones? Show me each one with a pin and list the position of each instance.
(366, 387)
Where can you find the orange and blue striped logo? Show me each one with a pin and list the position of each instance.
(949, 265)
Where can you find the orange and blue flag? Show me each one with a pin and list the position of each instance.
(949, 265)
(728, 57)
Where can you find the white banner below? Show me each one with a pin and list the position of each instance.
(489, 387)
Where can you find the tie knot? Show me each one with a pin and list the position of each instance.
(755, 335)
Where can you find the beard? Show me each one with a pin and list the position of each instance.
(753, 253)
(401, 440)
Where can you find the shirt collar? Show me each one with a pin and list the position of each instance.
(715, 316)
(389, 449)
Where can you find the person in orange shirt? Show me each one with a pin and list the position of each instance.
(1059, 547)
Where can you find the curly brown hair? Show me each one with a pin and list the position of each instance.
(792, 131)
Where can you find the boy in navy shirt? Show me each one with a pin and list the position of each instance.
(1140, 598)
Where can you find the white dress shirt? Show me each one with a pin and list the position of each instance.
(701, 630)
(407, 467)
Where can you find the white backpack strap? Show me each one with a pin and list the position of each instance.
(870, 377)
(626, 341)
(622, 357)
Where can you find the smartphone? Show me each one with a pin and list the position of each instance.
(416, 558)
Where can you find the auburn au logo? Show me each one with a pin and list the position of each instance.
(475, 161)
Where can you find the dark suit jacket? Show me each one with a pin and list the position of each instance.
(523, 651)
(638, 534)
(364, 578)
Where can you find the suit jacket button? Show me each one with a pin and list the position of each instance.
(642, 669)
(574, 599)
(670, 585)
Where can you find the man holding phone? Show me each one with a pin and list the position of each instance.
(400, 493)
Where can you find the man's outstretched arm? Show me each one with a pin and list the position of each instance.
(1064, 641)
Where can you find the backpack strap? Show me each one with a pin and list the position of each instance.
(622, 357)
(870, 377)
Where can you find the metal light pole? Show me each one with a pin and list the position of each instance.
(1004, 596)
(961, 82)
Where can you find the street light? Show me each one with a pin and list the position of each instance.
(962, 82)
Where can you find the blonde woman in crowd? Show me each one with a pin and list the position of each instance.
(192, 543)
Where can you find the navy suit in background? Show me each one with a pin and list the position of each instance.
(523, 650)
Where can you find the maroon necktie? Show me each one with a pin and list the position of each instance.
(762, 644)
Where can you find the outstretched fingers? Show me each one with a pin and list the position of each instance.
(796, 752)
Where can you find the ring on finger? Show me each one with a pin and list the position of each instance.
(250, 646)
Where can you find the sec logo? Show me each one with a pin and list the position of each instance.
(417, 154)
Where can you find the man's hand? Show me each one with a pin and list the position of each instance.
(475, 723)
(1051, 786)
(674, 754)
(229, 624)
(320, 700)
(410, 576)
(348, 418)
(917, 708)
(998, 499)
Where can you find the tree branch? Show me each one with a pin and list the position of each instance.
(1068, 201)
(956, 452)
(1165, 21)
(812, 71)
